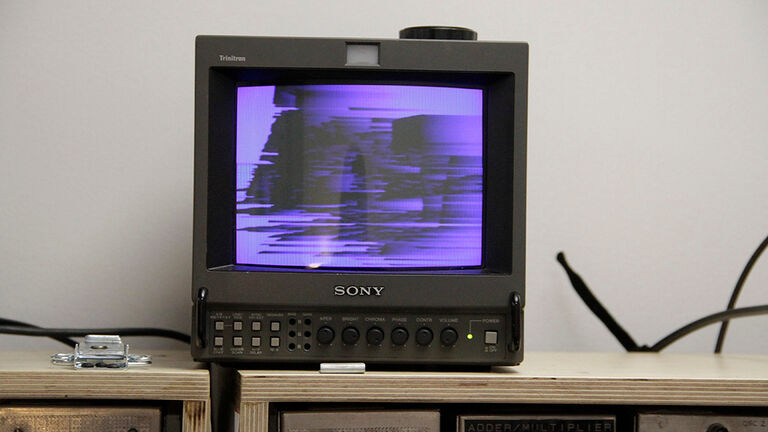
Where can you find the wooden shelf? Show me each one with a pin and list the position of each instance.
(173, 376)
(543, 378)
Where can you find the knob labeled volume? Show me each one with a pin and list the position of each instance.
(449, 336)
(424, 336)
(399, 336)
(350, 335)
(325, 335)
(375, 336)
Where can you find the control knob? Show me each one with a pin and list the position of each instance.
(438, 32)
(375, 336)
(325, 335)
(449, 336)
(424, 336)
(350, 335)
(399, 336)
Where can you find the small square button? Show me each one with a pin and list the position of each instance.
(218, 341)
(274, 342)
(491, 337)
(274, 326)
(219, 325)
(237, 325)
(237, 341)
(256, 326)
(256, 341)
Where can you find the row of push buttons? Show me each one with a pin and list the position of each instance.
(237, 341)
(255, 326)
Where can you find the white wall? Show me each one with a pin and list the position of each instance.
(648, 155)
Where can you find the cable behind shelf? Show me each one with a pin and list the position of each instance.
(80, 332)
(62, 339)
(626, 339)
(707, 320)
(737, 290)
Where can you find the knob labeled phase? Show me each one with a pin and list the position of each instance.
(350, 335)
(375, 336)
(325, 335)
(449, 336)
(399, 336)
(424, 336)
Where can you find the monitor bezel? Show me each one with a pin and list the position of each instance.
(504, 67)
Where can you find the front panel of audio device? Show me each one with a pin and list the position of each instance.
(666, 421)
(361, 421)
(307, 337)
(543, 418)
(34, 418)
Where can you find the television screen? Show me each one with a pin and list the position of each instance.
(359, 176)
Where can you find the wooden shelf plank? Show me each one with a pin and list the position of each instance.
(172, 376)
(568, 378)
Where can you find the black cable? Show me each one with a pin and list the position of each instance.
(624, 337)
(597, 308)
(707, 320)
(64, 340)
(129, 331)
(737, 291)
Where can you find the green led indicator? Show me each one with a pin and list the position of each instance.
(469, 336)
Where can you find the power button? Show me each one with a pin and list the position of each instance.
(491, 337)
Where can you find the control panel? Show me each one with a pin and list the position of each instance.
(313, 336)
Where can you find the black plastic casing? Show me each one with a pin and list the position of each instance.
(220, 288)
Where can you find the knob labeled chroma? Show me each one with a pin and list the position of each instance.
(375, 336)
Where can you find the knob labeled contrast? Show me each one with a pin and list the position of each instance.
(399, 336)
(350, 335)
(449, 336)
(424, 336)
(375, 336)
(325, 335)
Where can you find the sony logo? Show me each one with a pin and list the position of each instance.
(354, 290)
(231, 58)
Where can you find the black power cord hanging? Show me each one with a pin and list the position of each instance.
(75, 332)
(737, 291)
(598, 309)
(10, 322)
(623, 336)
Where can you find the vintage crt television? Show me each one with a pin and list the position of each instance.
(359, 200)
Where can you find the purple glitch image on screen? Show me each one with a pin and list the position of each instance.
(359, 176)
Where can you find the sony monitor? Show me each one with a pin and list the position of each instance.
(359, 200)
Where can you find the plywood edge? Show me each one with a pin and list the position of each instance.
(254, 417)
(196, 416)
(460, 388)
(96, 384)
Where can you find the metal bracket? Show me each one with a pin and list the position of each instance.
(101, 351)
(342, 368)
